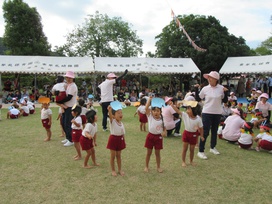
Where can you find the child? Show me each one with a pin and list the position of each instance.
(76, 130)
(192, 128)
(84, 110)
(264, 139)
(116, 142)
(88, 138)
(127, 101)
(24, 111)
(59, 89)
(154, 138)
(141, 113)
(232, 125)
(13, 113)
(245, 141)
(46, 117)
(60, 119)
(90, 102)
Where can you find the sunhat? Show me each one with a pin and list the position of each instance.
(253, 89)
(167, 99)
(189, 103)
(259, 91)
(70, 74)
(157, 102)
(212, 74)
(76, 108)
(44, 100)
(236, 111)
(90, 96)
(116, 105)
(111, 75)
(231, 93)
(264, 95)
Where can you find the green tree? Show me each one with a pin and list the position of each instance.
(207, 33)
(102, 36)
(23, 30)
(2, 47)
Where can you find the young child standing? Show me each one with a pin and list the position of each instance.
(76, 129)
(142, 114)
(116, 141)
(156, 131)
(264, 139)
(246, 139)
(193, 127)
(88, 138)
(46, 117)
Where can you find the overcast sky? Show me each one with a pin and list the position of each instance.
(247, 18)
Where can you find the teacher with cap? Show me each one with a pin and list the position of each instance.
(106, 88)
(213, 95)
(68, 102)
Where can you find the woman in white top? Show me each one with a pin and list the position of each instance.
(213, 94)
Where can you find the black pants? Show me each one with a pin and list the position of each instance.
(105, 114)
(66, 123)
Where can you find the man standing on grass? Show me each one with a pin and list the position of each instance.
(68, 102)
(106, 88)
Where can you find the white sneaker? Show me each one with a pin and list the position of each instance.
(214, 151)
(64, 141)
(202, 155)
(177, 134)
(68, 144)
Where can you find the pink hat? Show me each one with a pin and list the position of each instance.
(111, 75)
(212, 74)
(253, 89)
(236, 111)
(259, 92)
(264, 95)
(231, 93)
(167, 99)
(70, 74)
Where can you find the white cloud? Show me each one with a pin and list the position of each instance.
(247, 18)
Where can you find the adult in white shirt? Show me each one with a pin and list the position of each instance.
(67, 104)
(213, 94)
(106, 88)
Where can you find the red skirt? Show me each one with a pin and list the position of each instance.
(142, 118)
(76, 134)
(86, 143)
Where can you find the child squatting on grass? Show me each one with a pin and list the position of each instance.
(264, 139)
(116, 141)
(157, 131)
(46, 117)
(76, 129)
(88, 138)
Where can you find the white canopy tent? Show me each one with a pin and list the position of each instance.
(146, 65)
(244, 65)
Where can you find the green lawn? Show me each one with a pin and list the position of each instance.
(33, 171)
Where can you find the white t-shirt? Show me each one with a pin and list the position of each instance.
(191, 124)
(116, 128)
(14, 111)
(90, 128)
(233, 125)
(213, 98)
(106, 88)
(59, 87)
(83, 111)
(25, 109)
(264, 136)
(168, 118)
(45, 113)
(71, 90)
(245, 139)
(78, 121)
(141, 109)
(154, 126)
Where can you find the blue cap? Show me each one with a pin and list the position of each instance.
(116, 105)
(157, 102)
(90, 96)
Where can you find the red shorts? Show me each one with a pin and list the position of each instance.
(245, 146)
(31, 111)
(86, 143)
(142, 118)
(61, 96)
(45, 123)
(76, 134)
(190, 137)
(84, 119)
(116, 143)
(153, 141)
(12, 116)
(264, 144)
(25, 114)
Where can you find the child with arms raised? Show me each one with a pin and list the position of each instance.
(116, 141)
(88, 138)
(154, 138)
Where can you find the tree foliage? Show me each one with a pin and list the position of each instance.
(23, 30)
(207, 33)
(102, 36)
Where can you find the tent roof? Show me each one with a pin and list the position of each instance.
(45, 65)
(146, 65)
(255, 64)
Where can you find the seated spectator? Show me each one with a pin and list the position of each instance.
(133, 96)
(179, 95)
(127, 101)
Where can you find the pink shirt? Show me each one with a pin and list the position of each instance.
(264, 107)
(213, 98)
(233, 124)
(168, 118)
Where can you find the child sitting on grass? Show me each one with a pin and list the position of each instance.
(246, 139)
(264, 139)
(88, 138)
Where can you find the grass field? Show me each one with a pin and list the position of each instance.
(33, 171)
